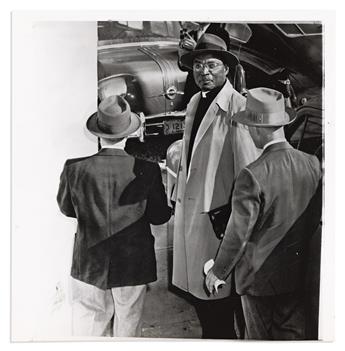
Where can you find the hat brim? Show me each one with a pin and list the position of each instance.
(93, 128)
(227, 57)
(243, 117)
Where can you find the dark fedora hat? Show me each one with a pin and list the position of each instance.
(113, 119)
(210, 44)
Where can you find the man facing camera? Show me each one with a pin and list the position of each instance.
(276, 207)
(188, 43)
(214, 150)
(114, 198)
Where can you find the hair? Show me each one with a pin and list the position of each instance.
(111, 141)
(272, 129)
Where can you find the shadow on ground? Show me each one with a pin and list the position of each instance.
(168, 312)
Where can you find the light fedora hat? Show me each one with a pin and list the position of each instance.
(210, 44)
(113, 119)
(265, 108)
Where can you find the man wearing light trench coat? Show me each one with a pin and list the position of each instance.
(221, 149)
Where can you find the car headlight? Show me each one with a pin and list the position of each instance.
(124, 85)
(111, 86)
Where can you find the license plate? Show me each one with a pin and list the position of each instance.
(173, 127)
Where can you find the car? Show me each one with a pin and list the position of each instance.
(305, 132)
(139, 60)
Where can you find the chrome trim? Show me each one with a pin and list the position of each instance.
(172, 114)
(114, 76)
(144, 43)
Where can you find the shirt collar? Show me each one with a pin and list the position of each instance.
(120, 145)
(211, 94)
(275, 141)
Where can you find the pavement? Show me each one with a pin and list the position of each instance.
(167, 312)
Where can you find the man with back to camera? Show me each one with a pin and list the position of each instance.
(214, 150)
(114, 198)
(276, 207)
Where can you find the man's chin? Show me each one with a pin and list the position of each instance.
(207, 86)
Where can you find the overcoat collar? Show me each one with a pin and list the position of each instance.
(222, 101)
(224, 96)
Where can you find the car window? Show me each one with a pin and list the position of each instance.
(299, 29)
(132, 24)
(308, 136)
(240, 32)
(311, 28)
(117, 32)
(310, 128)
(161, 28)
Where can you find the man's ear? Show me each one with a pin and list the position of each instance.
(226, 69)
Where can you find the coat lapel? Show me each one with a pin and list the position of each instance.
(221, 101)
(206, 122)
(190, 114)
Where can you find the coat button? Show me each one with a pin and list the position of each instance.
(178, 200)
(297, 253)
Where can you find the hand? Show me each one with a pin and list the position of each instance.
(173, 204)
(210, 281)
(188, 43)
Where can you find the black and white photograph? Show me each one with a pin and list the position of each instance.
(169, 177)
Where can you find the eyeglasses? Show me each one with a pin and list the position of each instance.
(211, 66)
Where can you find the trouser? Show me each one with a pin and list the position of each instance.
(279, 317)
(111, 312)
(217, 317)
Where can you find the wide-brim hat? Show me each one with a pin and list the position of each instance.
(113, 119)
(265, 108)
(210, 44)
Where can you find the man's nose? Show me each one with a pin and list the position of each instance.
(205, 69)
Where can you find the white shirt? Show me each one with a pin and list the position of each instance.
(120, 145)
(275, 141)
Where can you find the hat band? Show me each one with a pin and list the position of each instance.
(209, 46)
(272, 118)
(113, 129)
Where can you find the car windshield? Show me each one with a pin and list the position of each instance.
(293, 30)
(119, 32)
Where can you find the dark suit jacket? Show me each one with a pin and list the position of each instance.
(114, 197)
(276, 206)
